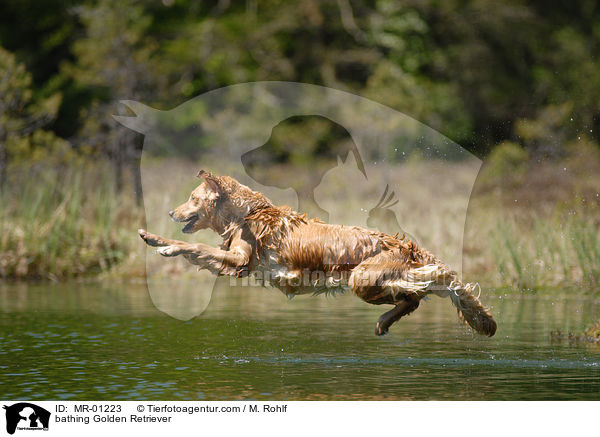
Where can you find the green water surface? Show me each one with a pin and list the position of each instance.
(109, 342)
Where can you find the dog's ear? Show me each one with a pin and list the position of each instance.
(211, 182)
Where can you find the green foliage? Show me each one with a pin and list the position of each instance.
(480, 71)
(15, 84)
(547, 133)
(114, 52)
(21, 118)
(41, 146)
(506, 160)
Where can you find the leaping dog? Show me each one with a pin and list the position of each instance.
(302, 255)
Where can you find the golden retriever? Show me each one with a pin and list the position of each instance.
(299, 255)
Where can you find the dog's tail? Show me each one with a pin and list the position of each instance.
(470, 308)
(446, 283)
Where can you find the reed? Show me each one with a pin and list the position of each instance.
(547, 252)
(62, 222)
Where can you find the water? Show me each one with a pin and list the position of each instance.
(82, 341)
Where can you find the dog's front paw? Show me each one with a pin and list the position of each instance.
(151, 239)
(168, 251)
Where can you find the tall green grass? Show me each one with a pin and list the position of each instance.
(547, 252)
(62, 222)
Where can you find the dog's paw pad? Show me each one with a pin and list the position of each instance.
(167, 250)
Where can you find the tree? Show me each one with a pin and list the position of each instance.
(113, 59)
(20, 116)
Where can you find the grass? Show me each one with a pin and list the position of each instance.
(553, 252)
(62, 222)
(539, 226)
(536, 230)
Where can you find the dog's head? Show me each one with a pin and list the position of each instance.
(216, 203)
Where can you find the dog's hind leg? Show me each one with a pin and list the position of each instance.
(388, 278)
(389, 318)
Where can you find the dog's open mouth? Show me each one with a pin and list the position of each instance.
(187, 229)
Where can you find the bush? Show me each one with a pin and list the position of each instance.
(508, 159)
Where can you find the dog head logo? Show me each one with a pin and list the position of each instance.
(363, 175)
(26, 416)
(327, 140)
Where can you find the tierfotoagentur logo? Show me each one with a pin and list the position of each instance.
(25, 416)
(356, 163)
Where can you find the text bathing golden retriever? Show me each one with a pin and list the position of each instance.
(300, 255)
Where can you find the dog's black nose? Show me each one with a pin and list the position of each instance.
(171, 213)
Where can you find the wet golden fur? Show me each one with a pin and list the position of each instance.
(300, 255)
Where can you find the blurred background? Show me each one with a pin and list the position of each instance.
(515, 82)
